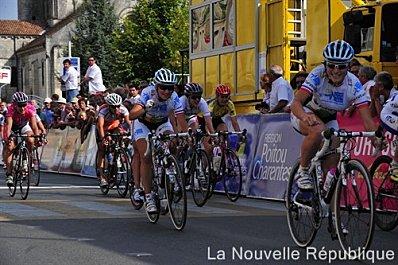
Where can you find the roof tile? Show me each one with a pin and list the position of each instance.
(20, 28)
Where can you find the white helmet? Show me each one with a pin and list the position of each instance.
(166, 77)
(338, 52)
(113, 99)
(19, 97)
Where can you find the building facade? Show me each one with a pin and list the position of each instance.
(37, 58)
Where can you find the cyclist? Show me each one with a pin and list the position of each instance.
(332, 89)
(156, 110)
(111, 115)
(20, 117)
(384, 89)
(196, 110)
(220, 107)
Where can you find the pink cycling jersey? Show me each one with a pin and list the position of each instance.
(19, 120)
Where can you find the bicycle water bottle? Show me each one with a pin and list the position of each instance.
(329, 185)
(216, 158)
(109, 157)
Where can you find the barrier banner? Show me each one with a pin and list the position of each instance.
(276, 150)
(69, 147)
(89, 166)
(52, 154)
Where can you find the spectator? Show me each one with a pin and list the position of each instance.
(3, 108)
(366, 75)
(354, 66)
(47, 113)
(383, 88)
(298, 80)
(70, 80)
(93, 77)
(265, 84)
(281, 92)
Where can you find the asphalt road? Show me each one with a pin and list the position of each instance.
(68, 221)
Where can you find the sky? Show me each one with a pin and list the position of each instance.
(8, 9)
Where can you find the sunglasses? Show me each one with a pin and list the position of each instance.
(224, 96)
(114, 107)
(338, 66)
(21, 105)
(169, 88)
(195, 97)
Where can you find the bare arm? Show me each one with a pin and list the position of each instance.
(368, 122)
(209, 124)
(136, 112)
(298, 110)
(279, 107)
(33, 122)
(100, 127)
(235, 123)
(182, 123)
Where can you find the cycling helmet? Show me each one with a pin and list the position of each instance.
(113, 99)
(193, 88)
(223, 90)
(19, 97)
(339, 52)
(166, 77)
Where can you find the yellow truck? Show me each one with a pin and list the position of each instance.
(234, 41)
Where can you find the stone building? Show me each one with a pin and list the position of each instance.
(38, 59)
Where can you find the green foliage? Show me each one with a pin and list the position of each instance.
(150, 38)
(93, 36)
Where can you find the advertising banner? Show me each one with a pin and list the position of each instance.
(276, 150)
(89, 167)
(53, 152)
(70, 146)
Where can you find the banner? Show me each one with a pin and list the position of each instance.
(70, 146)
(53, 152)
(89, 166)
(276, 150)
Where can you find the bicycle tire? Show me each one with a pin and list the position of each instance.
(107, 171)
(344, 202)
(386, 215)
(122, 173)
(136, 204)
(200, 177)
(35, 168)
(294, 214)
(232, 175)
(176, 195)
(24, 180)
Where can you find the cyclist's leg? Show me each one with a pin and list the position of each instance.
(390, 125)
(9, 147)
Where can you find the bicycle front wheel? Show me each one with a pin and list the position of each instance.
(386, 194)
(232, 175)
(175, 193)
(354, 208)
(200, 179)
(122, 173)
(15, 172)
(35, 167)
(25, 173)
(300, 218)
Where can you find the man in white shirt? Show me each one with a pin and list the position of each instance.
(366, 75)
(281, 92)
(70, 80)
(94, 77)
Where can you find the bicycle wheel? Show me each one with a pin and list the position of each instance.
(385, 194)
(35, 167)
(175, 193)
(25, 173)
(354, 208)
(200, 177)
(232, 175)
(15, 173)
(122, 173)
(300, 218)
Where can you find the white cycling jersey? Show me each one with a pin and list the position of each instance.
(157, 110)
(330, 99)
(389, 113)
(201, 110)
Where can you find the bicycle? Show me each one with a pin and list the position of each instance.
(21, 166)
(386, 192)
(116, 165)
(229, 170)
(351, 186)
(167, 181)
(196, 166)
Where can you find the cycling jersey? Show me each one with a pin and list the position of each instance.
(158, 111)
(218, 111)
(328, 99)
(389, 113)
(202, 110)
(109, 116)
(19, 120)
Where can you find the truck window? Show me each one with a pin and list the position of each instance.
(367, 30)
(389, 33)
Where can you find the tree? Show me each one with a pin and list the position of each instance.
(93, 35)
(150, 38)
